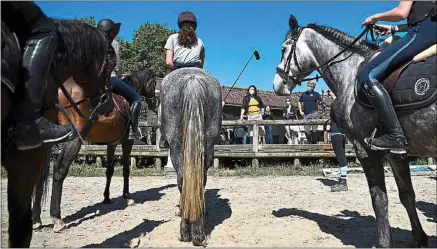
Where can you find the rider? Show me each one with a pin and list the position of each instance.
(119, 86)
(185, 49)
(422, 33)
(38, 36)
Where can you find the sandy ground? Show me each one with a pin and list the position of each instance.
(266, 211)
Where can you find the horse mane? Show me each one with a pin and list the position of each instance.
(80, 42)
(340, 38)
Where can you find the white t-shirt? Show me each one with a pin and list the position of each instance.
(182, 54)
(116, 47)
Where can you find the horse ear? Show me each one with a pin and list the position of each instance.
(114, 31)
(292, 22)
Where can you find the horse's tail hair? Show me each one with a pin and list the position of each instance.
(41, 184)
(193, 150)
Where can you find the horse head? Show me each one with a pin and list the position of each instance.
(296, 60)
(144, 82)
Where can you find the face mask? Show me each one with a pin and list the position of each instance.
(251, 92)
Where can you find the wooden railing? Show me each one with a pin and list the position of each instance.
(254, 151)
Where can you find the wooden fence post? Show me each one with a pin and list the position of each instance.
(255, 143)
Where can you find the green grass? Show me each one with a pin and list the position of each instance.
(236, 170)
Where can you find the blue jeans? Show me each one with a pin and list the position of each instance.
(418, 38)
(121, 88)
(269, 135)
(244, 140)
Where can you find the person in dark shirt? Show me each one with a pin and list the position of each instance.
(309, 108)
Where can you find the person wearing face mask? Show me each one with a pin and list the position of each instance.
(253, 107)
(309, 109)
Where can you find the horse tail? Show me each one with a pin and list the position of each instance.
(193, 151)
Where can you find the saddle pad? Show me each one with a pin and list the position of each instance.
(121, 104)
(415, 87)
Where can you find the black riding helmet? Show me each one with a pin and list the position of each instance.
(187, 16)
(109, 27)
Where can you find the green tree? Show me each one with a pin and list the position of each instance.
(90, 20)
(146, 49)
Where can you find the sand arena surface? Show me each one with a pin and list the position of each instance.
(262, 211)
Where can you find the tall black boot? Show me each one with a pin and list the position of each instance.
(135, 113)
(393, 138)
(32, 130)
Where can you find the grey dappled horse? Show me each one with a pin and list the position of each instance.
(313, 46)
(190, 123)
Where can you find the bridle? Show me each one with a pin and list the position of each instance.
(103, 96)
(297, 79)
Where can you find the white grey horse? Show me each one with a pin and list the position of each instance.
(191, 119)
(310, 47)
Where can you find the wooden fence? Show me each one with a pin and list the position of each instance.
(253, 151)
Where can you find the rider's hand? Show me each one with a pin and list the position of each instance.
(382, 29)
(302, 114)
(370, 20)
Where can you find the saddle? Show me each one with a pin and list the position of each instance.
(412, 85)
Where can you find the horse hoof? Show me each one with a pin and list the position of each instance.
(420, 244)
(183, 238)
(130, 202)
(59, 228)
(200, 240)
(37, 226)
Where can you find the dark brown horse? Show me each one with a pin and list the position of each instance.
(82, 54)
(110, 129)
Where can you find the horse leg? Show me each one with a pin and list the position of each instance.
(175, 153)
(60, 171)
(127, 149)
(374, 170)
(39, 192)
(110, 151)
(23, 169)
(36, 209)
(401, 171)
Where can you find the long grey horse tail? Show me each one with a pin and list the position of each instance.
(41, 184)
(193, 150)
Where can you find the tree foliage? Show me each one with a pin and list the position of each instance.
(90, 20)
(146, 49)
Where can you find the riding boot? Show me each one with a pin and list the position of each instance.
(393, 139)
(135, 113)
(32, 130)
